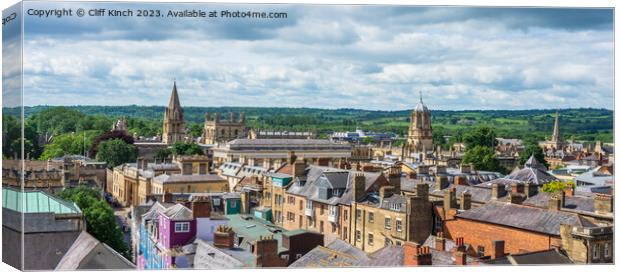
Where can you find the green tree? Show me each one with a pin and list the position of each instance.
(480, 136)
(483, 158)
(180, 148)
(68, 144)
(163, 154)
(100, 220)
(116, 152)
(557, 186)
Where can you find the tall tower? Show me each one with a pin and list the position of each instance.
(556, 139)
(174, 125)
(420, 137)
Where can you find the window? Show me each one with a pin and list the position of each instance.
(387, 241)
(333, 228)
(388, 223)
(322, 208)
(481, 251)
(301, 221)
(291, 200)
(371, 239)
(607, 250)
(399, 225)
(345, 233)
(398, 243)
(358, 214)
(308, 204)
(233, 204)
(371, 217)
(346, 215)
(321, 226)
(301, 205)
(181, 227)
(290, 216)
(595, 251)
(358, 236)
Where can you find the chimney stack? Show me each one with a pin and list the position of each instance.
(416, 255)
(516, 188)
(440, 242)
(423, 169)
(167, 197)
(569, 191)
(265, 249)
(530, 189)
(465, 201)
(359, 186)
(497, 250)
(421, 190)
(201, 207)
(386, 191)
(459, 252)
(291, 157)
(515, 198)
(224, 237)
(604, 204)
(497, 191)
(299, 168)
(449, 199)
(460, 180)
(556, 201)
(441, 182)
(394, 175)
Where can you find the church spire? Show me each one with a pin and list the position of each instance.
(556, 128)
(174, 98)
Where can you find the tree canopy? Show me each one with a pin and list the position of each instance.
(557, 186)
(100, 220)
(116, 152)
(180, 148)
(480, 136)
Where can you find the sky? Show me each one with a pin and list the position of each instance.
(365, 57)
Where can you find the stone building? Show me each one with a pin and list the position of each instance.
(272, 153)
(135, 183)
(556, 142)
(217, 130)
(392, 219)
(420, 134)
(174, 124)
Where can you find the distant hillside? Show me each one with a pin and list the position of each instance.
(581, 124)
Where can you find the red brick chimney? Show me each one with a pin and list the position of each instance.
(497, 249)
(265, 249)
(459, 252)
(458, 180)
(440, 242)
(224, 237)
(416, 255)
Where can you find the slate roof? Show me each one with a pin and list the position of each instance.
(88, 253)
(178, 212)
(338, 253)
(208, 256)
(544, 257)
(178, 178)
(393, 256)
(522, 217)
(576, 202)
(310, 188)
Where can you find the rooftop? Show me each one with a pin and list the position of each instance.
(36, 202)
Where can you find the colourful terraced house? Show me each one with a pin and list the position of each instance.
(165, 229)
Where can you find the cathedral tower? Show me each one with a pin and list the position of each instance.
(174, 125)
(420, 136)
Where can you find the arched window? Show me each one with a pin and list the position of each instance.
(236, 132)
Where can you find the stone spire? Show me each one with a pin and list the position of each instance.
(556, 128)
(174, 124)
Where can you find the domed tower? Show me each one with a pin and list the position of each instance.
(174, 124)
(420, 136)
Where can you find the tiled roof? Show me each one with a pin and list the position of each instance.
(520, 216)
(393, 256)
(577, 202)
(36, 202)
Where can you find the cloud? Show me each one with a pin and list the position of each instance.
(371, 57)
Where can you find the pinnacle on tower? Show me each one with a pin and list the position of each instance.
(174, 98)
